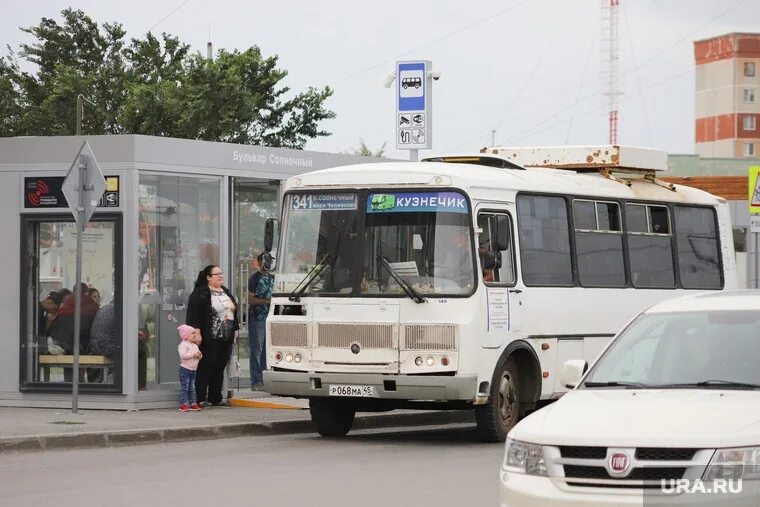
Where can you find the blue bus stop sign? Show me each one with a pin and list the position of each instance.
(413, 111)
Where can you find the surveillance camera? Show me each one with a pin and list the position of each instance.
(435, 75)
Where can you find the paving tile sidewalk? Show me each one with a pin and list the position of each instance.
(25, 429)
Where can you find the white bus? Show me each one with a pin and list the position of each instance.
(466, 282)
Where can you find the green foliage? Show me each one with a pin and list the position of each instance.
(152, 86)
(365, 150)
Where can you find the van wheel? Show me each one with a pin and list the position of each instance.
(495, 419)
(331, 417)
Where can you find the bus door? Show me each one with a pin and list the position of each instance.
(498, 271)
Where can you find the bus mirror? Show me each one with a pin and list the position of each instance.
(268, 260)
(269, 229)
(502, 233)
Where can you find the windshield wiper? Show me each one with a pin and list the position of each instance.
(310, 277)
(714, 382)
(615, 383)
(408, 289)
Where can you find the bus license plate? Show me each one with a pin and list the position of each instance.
(357, 391)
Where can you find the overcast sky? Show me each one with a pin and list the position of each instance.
(530, 69)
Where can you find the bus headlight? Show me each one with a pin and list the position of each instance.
(524, 458)
(740, 463)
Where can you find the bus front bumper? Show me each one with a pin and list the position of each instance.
(395, 387)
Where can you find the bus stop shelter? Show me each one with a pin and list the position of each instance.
(170, 208)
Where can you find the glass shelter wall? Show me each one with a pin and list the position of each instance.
(48, 303)
(253, 202)
(178, 235)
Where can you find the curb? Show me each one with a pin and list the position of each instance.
(160, 435)
(253, 403)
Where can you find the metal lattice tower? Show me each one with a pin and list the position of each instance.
(609, 63)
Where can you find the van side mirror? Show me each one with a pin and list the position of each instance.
(268, 261)
(572, 372)
(502, 240)
(270, 227)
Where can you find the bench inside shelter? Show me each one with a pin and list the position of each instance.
(48, 361)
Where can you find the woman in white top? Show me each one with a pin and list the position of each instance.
(212, 309)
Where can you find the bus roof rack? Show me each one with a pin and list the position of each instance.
(488, 160)
(604, 159)
(592, 158)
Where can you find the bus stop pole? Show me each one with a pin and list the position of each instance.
(77, 289)
(413, 155)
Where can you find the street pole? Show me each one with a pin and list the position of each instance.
(80, 223)
(78, 290)
(493, 137)
(413, 155)
(80, 113)
(757, 262)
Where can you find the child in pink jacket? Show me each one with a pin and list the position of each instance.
(189, 355)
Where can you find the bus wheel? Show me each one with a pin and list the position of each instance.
(495, 419)
(331, 417)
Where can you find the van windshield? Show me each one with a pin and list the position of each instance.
(319, 232)
(344, 243)
(425, 237)
(685, 349)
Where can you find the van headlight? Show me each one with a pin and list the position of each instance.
(740, 463)
(524, 458)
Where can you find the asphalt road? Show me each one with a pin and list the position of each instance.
(442, 466)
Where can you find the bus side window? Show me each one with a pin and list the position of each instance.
(501, 263)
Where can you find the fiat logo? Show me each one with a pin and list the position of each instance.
(618, 463)
(356, 348)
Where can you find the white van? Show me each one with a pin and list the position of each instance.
(669, 414)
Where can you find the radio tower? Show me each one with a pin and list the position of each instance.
(609, 67)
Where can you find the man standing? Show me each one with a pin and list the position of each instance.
(259, 295)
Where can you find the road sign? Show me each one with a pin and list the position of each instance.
(754, 190)
(93, 187)
(83, 187)
(413, 105)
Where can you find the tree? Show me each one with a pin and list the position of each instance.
(152, 86)
(365, 151)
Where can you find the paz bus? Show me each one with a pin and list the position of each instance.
(466, 282)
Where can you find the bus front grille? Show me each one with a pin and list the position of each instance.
(369, 336)
(430, 337)
(288, 334)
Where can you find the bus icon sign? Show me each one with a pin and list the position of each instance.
(383, 202)
(413, 101)
(408, 82)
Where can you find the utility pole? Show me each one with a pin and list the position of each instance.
(80, 111)
(493, 137)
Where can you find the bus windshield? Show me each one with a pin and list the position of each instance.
(424, 237)
(319, 231)
(367, 243)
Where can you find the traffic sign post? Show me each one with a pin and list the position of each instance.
(83, 187)
(753, 201)
(413, 106)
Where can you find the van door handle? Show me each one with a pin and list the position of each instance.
(515, 291)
